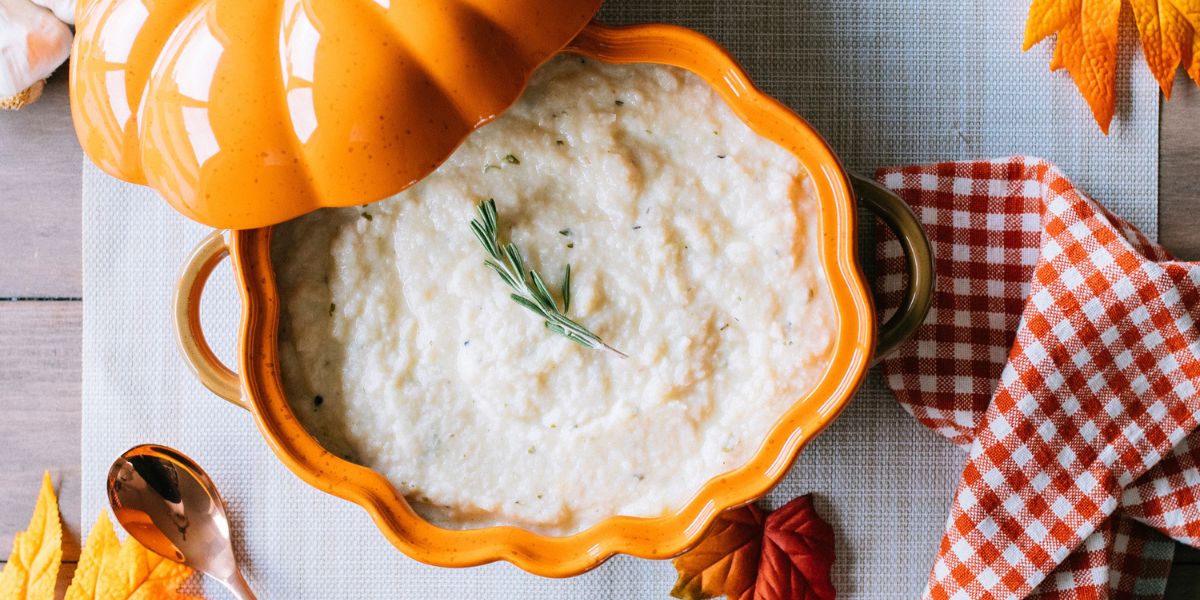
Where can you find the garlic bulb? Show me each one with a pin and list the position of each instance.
(33, 43)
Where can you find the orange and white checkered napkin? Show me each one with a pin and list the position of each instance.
(1062, 350)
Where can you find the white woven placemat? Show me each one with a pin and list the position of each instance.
(887, 81)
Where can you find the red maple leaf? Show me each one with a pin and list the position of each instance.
(797, 555)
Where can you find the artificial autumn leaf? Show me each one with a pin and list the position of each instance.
(32, 569)
(1087, 43)
(1191, 58)
(1167, 30)
(119, 571)
(108, 569)
(787, 556)
(99, 551)
(1087, 47)
(725, 562)
(797, 555)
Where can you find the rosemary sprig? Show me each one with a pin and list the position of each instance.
(531, 290)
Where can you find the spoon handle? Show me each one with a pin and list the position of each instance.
(237, 584)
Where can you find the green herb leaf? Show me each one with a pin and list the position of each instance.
(566, 289)
(531, 290)
(508, 280)
(543, 295)
(514, 258)
(527, 303)
(512, 160)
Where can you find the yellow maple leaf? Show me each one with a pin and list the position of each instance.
(139, 574)
(32, 570)
(107, 570)
(111, 570)
(1087, 43)
(100, 550)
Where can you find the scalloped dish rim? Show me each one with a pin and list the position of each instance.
(653, 538)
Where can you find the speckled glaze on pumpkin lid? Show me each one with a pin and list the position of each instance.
(245, 114)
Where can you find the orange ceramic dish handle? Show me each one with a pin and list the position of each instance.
(188, 333)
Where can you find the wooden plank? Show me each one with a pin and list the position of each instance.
(40, 399)
(40, 198)
(65, 573)
(1179, 231)
(1179, 165)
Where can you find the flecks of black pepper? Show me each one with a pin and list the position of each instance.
(318, 400)
(620, 103)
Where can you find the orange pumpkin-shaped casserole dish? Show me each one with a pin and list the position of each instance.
(246, 114)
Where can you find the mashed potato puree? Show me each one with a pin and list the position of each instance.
(692, 244)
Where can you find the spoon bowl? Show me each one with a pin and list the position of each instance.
(169, 504)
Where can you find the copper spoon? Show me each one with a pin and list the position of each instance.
(169, 504)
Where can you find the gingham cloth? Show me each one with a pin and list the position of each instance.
(1062, 352)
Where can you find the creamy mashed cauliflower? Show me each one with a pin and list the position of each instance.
(692, 243)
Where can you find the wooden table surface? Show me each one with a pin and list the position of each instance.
(41, 292)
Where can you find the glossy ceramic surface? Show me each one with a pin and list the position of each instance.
(245, 114)
(258, 386)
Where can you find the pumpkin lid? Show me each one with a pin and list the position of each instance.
(245, 114)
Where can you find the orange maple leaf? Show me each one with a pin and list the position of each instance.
(1087, 43)
(725, 562)
(1167, 30)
